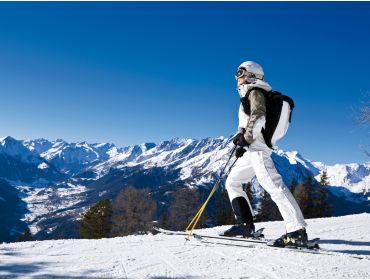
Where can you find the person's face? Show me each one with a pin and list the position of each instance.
(241, 80)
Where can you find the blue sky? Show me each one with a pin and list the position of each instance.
(134, 72)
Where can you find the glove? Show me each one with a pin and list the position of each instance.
(236, 138)
(242, 142)
(239, 152)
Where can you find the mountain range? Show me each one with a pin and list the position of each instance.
(46, 185)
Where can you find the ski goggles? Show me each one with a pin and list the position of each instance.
(240, 73)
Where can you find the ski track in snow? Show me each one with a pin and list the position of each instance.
(121, 265)
(169, 256)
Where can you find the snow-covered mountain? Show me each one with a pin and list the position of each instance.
(195, 159)
(191, 156)
(16, 149)
(71, 158)
(355, 177)
(169, 256)
(19, 164)
(57, 180)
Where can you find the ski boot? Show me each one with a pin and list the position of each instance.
(243, 229)
(296, 239)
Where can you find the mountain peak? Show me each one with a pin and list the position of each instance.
(7, 139)
(17, 149)
(59, 140)
(148, 146)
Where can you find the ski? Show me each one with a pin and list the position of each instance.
(235, 241)
(312, 244)
(319, 251)
(199, 236)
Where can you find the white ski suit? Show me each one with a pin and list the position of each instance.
(257, 162)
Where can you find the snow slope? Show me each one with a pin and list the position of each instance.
(163, 256)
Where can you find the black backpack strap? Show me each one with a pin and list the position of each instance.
(245, 100)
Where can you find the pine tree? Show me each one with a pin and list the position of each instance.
(302, 197)
(305, 197)
(184, 206)
(26, 236)
(324, 179)
(96, 222)
(323, 203)
(164, 218)
(224, 213)
(133, 212)
(292, 185)
(268, 209)
(265, 207)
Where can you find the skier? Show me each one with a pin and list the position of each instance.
(255, 160)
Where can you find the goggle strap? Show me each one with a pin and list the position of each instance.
(243, 72)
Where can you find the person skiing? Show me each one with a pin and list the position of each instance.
(254, 159)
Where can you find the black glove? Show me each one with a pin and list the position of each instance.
(236, 138)
(239, 152)
(242, 142)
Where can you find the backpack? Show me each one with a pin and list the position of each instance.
(279, 110)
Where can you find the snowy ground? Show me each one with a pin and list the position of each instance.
(163, 256)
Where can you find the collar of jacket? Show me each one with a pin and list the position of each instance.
(245, 88)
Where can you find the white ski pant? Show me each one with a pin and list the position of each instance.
(257, 162)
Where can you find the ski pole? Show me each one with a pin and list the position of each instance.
(200, 212)
(220, 177)
(231, 154)
(196, 218)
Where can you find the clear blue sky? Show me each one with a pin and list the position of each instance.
(139, 72)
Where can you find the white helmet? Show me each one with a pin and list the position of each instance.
(251, 70)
